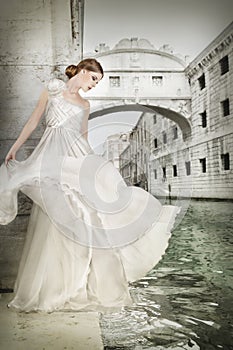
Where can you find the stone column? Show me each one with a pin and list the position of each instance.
(38, 38)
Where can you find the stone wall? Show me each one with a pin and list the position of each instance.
(38, 40)
(216, 138)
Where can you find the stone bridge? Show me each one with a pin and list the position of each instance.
(180, 118)
(139, 77)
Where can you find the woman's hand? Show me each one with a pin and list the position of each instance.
(10, 155)
(29, 126)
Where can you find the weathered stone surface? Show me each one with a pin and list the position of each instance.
(17, 228)
(36, 43)
(24, 204)
(58, 330)
(12, 239)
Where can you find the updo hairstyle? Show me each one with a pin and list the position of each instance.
(90, 64)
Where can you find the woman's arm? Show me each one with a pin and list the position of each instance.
(84, 127)
(29, 126)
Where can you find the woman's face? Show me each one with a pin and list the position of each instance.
(89, 79)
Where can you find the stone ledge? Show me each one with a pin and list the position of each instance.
(58, 330)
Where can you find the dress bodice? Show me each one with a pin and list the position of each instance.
(61, 113)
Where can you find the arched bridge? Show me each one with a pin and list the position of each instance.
(180, 119)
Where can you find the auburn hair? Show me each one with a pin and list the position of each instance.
(90, 64)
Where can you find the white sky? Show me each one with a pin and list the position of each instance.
(101, 127)
(186, 25)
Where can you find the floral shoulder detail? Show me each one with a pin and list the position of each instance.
(55, 86)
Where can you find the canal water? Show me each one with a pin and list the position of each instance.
(185, 302)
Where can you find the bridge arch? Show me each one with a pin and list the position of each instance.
(171, 114)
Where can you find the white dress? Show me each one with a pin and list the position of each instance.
(89, 234)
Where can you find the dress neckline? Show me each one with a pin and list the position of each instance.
(71, 103)
(62, 95)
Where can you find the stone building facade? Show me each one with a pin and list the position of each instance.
(201, 166)
(38, 40)
(211, 81)
(134, 160)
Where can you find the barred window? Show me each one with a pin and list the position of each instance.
(141, 131)
(145, 133)
(225, 161)
(204, 119)
(164, 172)
(224, 65)
(225, 107)
(175, 132)
(174, 170)
(145, 158)
(188, 167)
(203, 164)
(157, 80)
(201, 81)
(114, 81)
(164, 137)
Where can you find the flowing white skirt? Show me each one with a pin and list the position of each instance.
(89, 234)
(56, 273)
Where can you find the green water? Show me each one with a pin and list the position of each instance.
(185, 302)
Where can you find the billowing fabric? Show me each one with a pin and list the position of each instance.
(89, 234)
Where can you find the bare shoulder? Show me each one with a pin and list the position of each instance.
(83, 102)
(86, 103)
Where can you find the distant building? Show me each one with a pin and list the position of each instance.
(114, 145)
(134, 160)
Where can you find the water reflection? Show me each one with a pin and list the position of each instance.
(186, 301)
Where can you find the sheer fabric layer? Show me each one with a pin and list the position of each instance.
(89, 234)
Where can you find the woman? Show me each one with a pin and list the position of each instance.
(89, 234)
